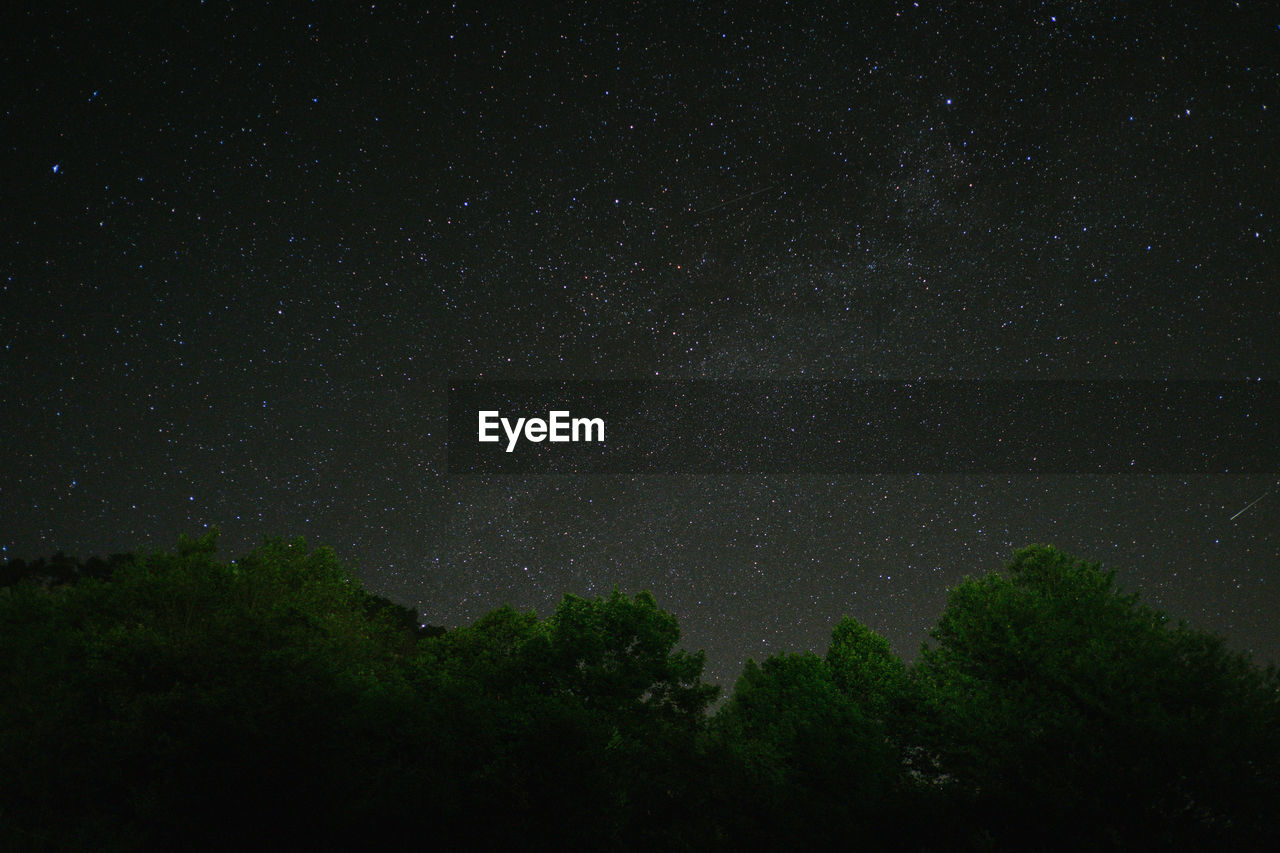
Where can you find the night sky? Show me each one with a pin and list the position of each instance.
(248, 246)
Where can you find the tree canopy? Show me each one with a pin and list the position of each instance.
(1061, 707)
(174, 699)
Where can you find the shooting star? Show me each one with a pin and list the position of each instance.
(1252, 502)
(697, 214)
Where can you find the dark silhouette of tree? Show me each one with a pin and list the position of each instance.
(59, 569)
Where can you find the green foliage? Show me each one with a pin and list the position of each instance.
(592, 715)
(804, 739)
(151, 706)
(1057, 706)
(618, 655)
(864, 668)
(173, 700)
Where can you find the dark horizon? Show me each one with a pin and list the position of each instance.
(181, 699)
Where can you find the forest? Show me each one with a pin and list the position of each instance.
(178, 700)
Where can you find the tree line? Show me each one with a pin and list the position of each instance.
(176, 700)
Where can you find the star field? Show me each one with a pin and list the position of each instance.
(248, 246)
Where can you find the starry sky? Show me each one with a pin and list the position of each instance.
(249, 246)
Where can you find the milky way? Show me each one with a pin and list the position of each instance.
(248, 249)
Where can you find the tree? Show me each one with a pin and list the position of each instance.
(814, 766)
(176, 699)
(189, 701)
(619, 655)
(1064, 712)
(864, 667)
(580, 730)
